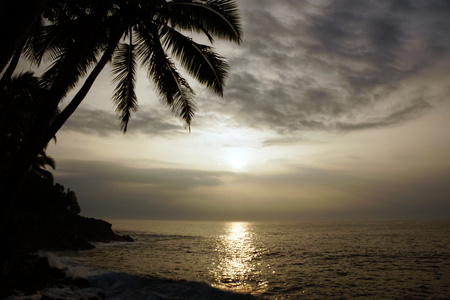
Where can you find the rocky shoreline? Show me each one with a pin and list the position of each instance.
(26, 274)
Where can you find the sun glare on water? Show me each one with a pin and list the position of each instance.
(236, 267)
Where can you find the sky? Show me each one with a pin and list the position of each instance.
(333, 110)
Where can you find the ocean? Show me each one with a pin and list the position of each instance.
(266, 260)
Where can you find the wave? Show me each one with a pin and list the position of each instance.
(119, 285)
(125, 286)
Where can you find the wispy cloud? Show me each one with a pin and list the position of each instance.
(321, 67)
(105, 122)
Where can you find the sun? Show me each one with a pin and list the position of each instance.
(237, 158)
(237, 162)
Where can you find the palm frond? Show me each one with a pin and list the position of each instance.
(219, 18)
(199, 60)
(82, 68)
(184, 105)
(174, 89)
(44, 160)
(49, 42)
(57, 46)
(38, 168)
(124, 69)
(42, 173)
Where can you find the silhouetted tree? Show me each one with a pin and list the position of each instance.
(84, 34)
(19, 102)
(20, 99)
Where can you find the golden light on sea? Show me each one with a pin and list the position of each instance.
(237, 259)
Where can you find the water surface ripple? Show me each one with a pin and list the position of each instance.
(298, 260)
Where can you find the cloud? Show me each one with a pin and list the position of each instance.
(398, 115)
(160, 178)
(308, 67)
(104, 122)
(106, 189)
(92, 121)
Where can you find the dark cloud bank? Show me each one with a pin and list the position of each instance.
(111, 190)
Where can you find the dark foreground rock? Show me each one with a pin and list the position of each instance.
(20, 271)
(29, 274)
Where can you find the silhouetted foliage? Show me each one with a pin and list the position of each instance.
(46, 198)
(45, 215)
(20, 100)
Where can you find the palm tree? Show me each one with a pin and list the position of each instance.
(143, 31)
(89, 34)
(20, 100)
(128, 31)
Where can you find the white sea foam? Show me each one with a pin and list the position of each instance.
(54, 260)
(68, 265)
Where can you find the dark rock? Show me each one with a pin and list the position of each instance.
(95, 230)
(59, 233)
(29, 274)
(100, 296)
(29, 233)
(80, 282)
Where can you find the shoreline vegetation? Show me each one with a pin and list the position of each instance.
(25, 273)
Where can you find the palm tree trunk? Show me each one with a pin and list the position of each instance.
(79, 97)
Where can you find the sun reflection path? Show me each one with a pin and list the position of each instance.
(237, 267)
